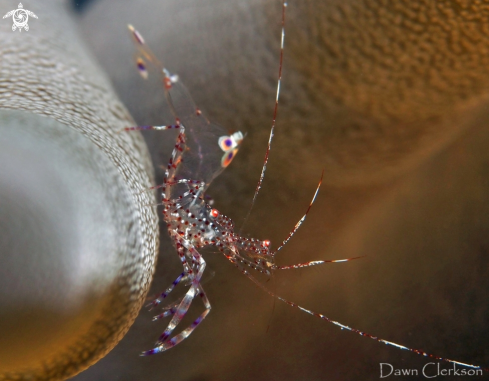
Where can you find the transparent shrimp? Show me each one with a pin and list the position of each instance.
(202, 151)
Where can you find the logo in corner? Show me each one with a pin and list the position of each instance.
(20, 16)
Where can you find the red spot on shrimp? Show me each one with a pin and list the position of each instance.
(167, 83)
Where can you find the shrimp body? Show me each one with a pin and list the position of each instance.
(193, 224)
(192, 220)
(202, 151)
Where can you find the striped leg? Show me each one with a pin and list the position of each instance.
(187, 331)
(181, 253)
(176, 155)
(146, 128)
(168, 310)
(164, 294)
(197, 184)
(195, 289)
(161, 186)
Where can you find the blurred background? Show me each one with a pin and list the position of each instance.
(391, 100)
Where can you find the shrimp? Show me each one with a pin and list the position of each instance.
(202, 151)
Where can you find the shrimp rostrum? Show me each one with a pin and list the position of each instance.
(202, 151)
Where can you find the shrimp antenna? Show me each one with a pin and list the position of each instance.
(346, 327)
(275, 109)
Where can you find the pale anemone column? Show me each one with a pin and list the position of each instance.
(78, 242)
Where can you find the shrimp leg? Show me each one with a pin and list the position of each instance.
(164, 342)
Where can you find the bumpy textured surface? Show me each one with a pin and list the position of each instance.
(54, 100)
(396, 80)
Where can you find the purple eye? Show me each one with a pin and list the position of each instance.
(228, 157)
(228, 143)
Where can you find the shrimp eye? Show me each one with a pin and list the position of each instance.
(215, 213)
(227, 143)
(228, 157)
(266, 243)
